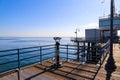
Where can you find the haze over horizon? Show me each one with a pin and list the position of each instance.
(49, 18)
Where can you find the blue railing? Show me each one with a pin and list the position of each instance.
(70, 52)
(104, 50)
(17, 58)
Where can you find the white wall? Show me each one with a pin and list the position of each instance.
(118, 32)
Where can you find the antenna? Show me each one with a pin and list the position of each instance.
(103, 2)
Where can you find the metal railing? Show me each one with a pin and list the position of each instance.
(85, 53)
(104, 50)
(70, 52)
(15, 59)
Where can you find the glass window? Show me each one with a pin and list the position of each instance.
(117, 21)
(104, 23)
(107, 22)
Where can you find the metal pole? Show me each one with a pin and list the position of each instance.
(110, 66)
(57, 40)
(88, 52)
(57, 54)
(40, 55)
(78, 52)
(84, 53)
(111, 28)
(67, 52)
(76, 34)
(18, 72)
(101, 52)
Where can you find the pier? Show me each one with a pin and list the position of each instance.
(96, 57)
(44, 65)
(114, 75)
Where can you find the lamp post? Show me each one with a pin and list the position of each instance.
(110, 66)
(57, 40)
(111, 27)
(111, 59)
(77, 41)
(76, 33)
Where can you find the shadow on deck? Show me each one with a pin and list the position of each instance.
(68, 71)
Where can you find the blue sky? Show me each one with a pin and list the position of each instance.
(50, 17)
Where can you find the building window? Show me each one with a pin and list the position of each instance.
(106, 23)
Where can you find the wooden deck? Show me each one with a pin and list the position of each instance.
(115, 75)
(68, 71)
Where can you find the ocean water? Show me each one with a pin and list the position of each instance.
(21, 42)
(7, 43)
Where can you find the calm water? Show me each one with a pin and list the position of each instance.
(22, 42)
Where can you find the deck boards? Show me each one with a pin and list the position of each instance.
(116, 74)
(69, 70)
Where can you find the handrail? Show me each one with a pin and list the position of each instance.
(41, 53)
(37, 50)
(104, 50)
(8, 50)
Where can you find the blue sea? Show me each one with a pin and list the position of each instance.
(21, 42)
(7, 43)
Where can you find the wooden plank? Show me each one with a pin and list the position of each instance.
(116, 74)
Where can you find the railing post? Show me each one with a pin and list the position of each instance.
(88, 52)
(40, 55)
(101, 56)
(67, 52)
(84, 52)
(78, 52)
(18, 71)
